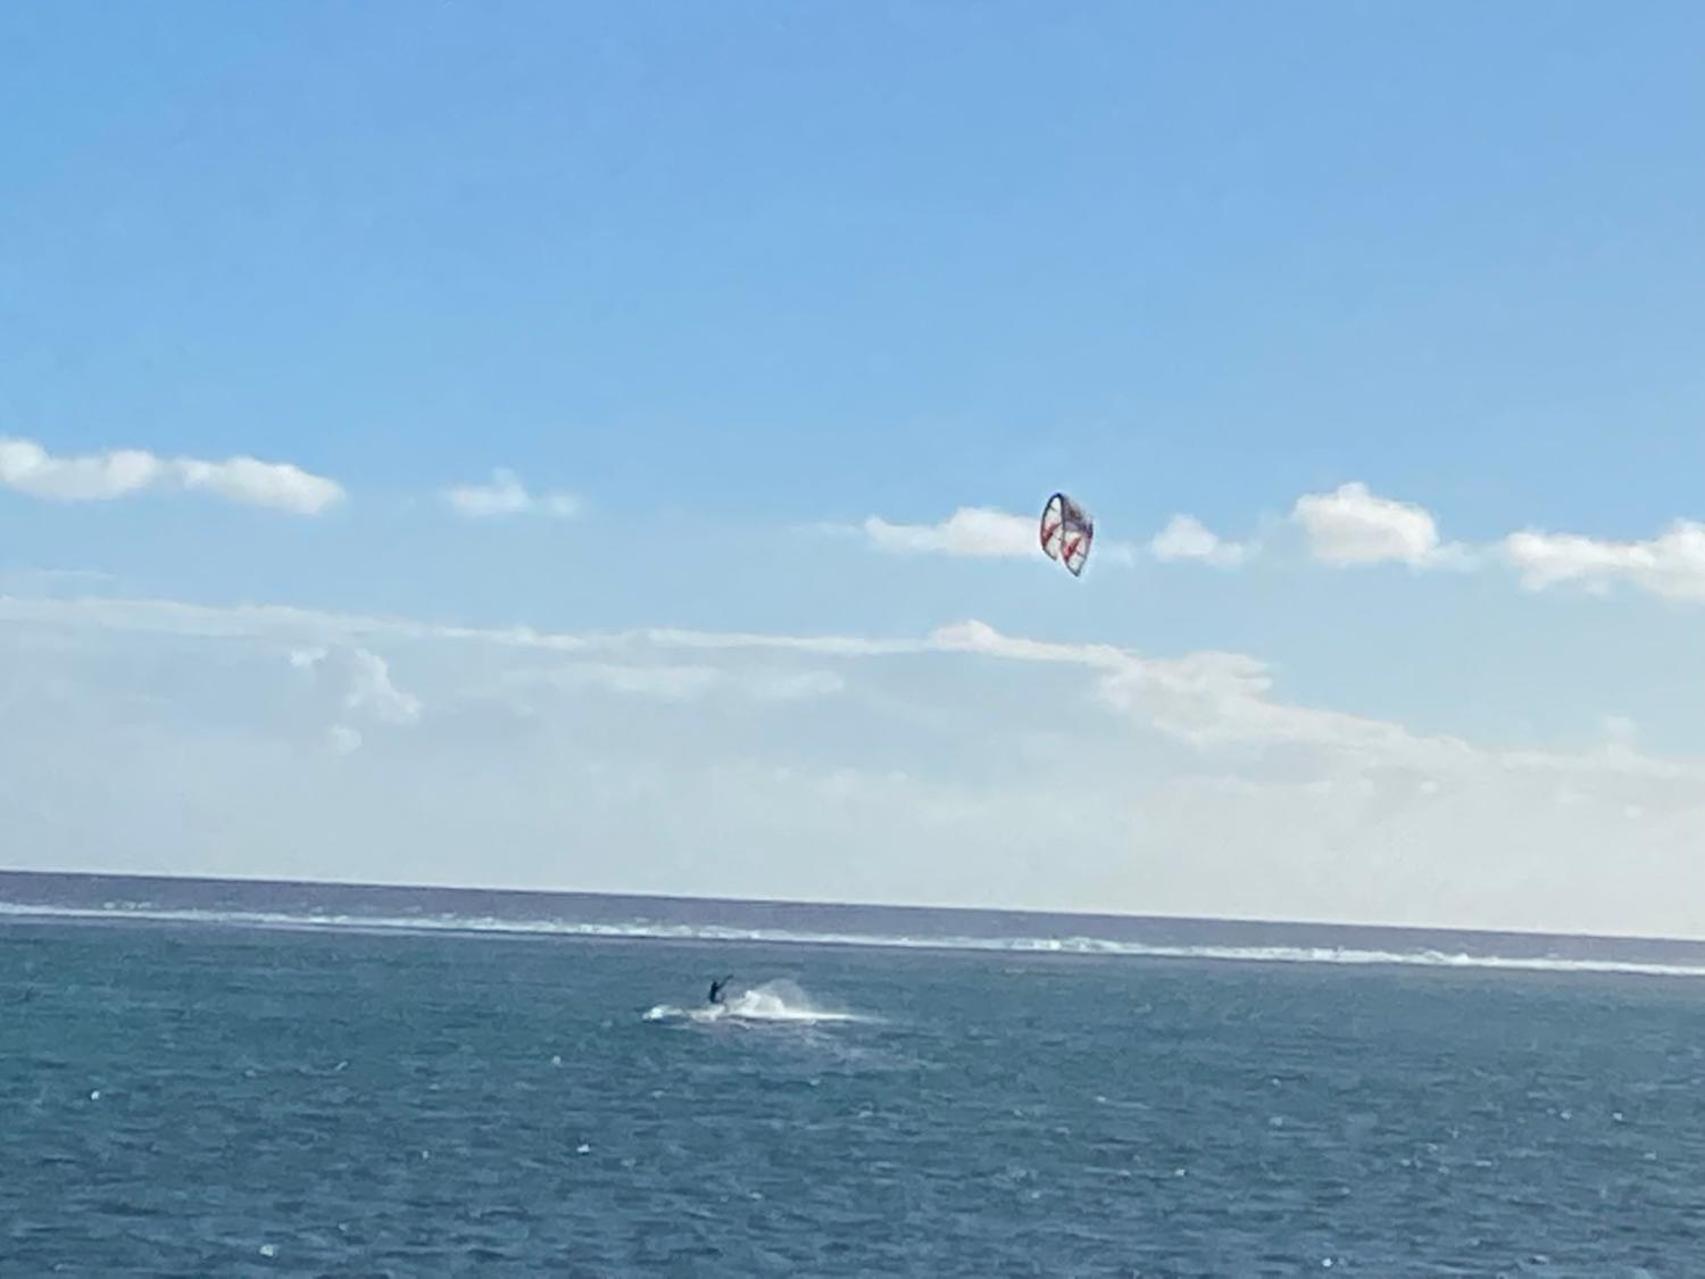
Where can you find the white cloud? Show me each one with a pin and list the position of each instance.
(678, 683)
(1351, 525)
(1221, 705)
(506, 495)
(980, 637)
(795, 686)
(977, 532)
(310, 629)
(1671, 565)
(670, 682)
(1206, 699)
(970, 531)
(243, 479)
(1187, 538)
(825, 645)
(343, 740)
(371, 690)
(360, 686)
(28, 468)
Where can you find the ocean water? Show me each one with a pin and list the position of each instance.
(198, 1096)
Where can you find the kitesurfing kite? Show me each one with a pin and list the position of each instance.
(1067, 532)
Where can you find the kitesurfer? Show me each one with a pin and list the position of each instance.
(716, 989)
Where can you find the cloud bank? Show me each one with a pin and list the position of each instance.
(963, 765)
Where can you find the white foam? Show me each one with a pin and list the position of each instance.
(773, 1001)
(458, 924)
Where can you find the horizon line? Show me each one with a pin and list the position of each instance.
(836, 904)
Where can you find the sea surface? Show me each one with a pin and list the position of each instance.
(205, 1079)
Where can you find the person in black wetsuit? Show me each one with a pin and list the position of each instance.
(716, 989)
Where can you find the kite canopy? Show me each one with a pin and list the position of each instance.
(1067, 532)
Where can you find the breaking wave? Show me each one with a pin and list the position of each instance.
(660, 931)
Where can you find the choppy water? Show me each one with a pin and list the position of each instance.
(189, 1099)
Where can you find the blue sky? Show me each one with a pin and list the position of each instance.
(737, 279)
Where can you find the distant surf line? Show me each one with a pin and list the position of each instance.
(648, 931)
